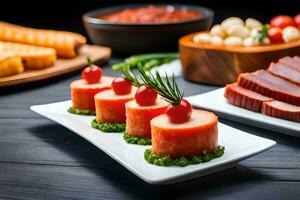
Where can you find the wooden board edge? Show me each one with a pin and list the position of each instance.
(52, 74)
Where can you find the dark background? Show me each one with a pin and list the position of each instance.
(66, 15)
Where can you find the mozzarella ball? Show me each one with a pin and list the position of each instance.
(216, 40)
(252, 23)
(254, 32)
(239, 31)
(266, 41)
(233, 41)
(290, 34)
(202, 38)
(217, 30)
(231, 21)
(249, 42)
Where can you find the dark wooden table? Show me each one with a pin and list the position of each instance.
(40, 159)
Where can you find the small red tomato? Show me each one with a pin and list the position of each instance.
(297, 19)
(275, 35)
(180, 113)
(282, 21)
(92, 74)
(145, 96)
(121, 86)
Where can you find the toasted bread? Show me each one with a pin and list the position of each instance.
(65, 43)
(10, 64)
(33, 57)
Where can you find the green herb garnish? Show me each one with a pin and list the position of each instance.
(108, 127)
(89, 62)
(147, 61)
(166, 88)
(81, 112)
(128, 75)
(262, 33)
(151, 158)
(136, 140)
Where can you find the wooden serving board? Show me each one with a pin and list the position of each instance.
(62, 66)
(220, 65)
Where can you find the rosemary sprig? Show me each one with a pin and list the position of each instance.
(166, 88)
(128, 75)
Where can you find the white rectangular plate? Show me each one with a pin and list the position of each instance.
(239, 145)
(215, 101)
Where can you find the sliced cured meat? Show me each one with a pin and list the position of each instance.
(297, 58)
(138, 117)
(82, 93)
(270, 85)
(285, 71)
(193, 137)
(281, 110)
(111, 107)
(244, 98)
(291, 62)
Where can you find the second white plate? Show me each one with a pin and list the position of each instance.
(215, 101)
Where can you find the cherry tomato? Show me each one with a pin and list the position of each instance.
(92, 74)
(282, 21)
(180, 113)
(275, 35)
(145, 96)
(121, 86)
(297, 20)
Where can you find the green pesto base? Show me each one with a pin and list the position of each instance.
(108, 127)
(152, 158)
(81, 112)
(136, 140)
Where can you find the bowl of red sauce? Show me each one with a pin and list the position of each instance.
(143, 28)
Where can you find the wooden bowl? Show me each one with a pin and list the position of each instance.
(220, 65)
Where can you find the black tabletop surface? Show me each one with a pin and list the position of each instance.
(40, 159)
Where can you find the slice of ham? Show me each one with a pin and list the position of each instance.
(270, 85)
(244, 98)
(286, 72)
(291, 62)
(281, 110)
(253, 101)
(297, 58)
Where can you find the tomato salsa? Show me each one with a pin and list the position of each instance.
(151, 14)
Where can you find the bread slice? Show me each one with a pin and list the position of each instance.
(65, 43)
(33, 57)
(10, 64)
